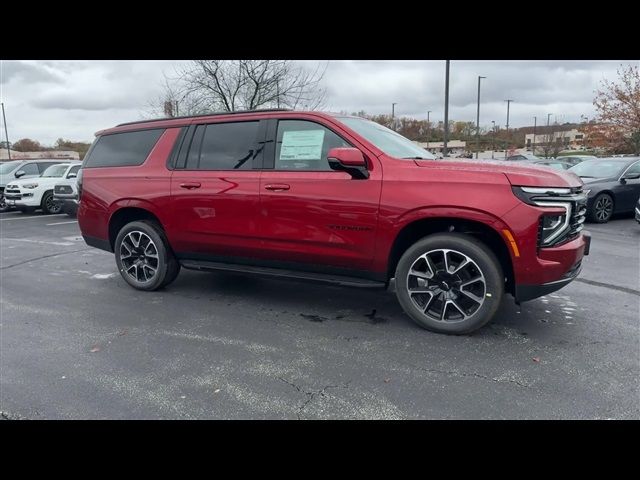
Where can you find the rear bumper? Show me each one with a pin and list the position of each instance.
(524, 292)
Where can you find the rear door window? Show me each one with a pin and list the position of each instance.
(224, 146)
(123, 149)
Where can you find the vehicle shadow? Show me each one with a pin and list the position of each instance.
(317, 302)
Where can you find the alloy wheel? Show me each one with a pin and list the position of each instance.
(446, 285)
(51, 205)
(603, 208)
(139, 256)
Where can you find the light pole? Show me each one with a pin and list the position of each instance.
(393, 115)
(446, 109)
(4, 119)
(508, 104)
(493, 140)
(428, 129)
(478, 119)
(533, 144)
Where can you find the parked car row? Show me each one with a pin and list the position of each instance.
(32, 184)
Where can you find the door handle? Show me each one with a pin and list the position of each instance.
(190, 185)
(277, 187)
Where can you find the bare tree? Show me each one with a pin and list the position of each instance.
(229, 85)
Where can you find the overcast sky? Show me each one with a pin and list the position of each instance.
(45, 100)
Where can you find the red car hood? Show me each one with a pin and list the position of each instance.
(517, 173)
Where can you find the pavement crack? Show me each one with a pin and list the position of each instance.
(45, 256)
(453, 373)
(311, 394)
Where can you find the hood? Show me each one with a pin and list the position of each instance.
(517, 173)
(39, 180)
(590, 181)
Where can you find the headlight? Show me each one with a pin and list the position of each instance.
(553, 225)
(30, 185)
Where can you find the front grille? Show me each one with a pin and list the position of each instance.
(64, 189)
(578, 216)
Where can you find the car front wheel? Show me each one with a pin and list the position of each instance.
(449, 283)
(602, 208)
(143, 256)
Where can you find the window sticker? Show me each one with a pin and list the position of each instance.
(302, 145)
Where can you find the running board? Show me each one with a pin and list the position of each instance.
(282, 273)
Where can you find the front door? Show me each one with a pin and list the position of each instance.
(628, 193)
(215, 191)
(309, 213)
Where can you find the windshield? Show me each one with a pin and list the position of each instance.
(387, 140)
(55, 171)
(598, 169)
(8, 167)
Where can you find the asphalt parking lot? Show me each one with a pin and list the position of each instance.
(77, 342)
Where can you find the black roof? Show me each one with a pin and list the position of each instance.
(237, 112)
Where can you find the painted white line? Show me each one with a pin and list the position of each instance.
(28, 240)
(62, 223)
(35, 216)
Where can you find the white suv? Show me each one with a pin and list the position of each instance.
(28, 194)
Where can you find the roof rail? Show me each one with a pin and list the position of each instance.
(236, 112)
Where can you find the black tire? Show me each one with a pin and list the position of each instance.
(3, 205)
(602, 208)
(480, 263)
(70, 210)
(165, 264)
(49, 205)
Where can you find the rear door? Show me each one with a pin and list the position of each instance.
(309, 213)
(215, 191)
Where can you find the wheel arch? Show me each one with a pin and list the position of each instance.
(127, 214)
(422, 227)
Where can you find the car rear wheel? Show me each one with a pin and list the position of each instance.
(449, 283)
(49, 205)
(143, 256)
(602, 208)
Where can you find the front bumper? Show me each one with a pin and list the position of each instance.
(21, 198)
(524, 292)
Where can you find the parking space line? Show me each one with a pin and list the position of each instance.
(35, 216)
(62, 223)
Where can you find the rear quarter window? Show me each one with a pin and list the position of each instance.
(125, 149)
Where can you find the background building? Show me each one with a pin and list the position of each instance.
(454, 147)
(54, 154)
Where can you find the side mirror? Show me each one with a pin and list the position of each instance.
(350, 160)
(72, 175)
(630, 176)
(20, 173)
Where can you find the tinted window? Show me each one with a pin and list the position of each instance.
(303, 145)
(31, 169)
(194, 151)
(73, 169)
(122, 149)
(227, 146)
(7, 167)
(634, 168)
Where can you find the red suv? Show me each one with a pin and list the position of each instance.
(332, 198)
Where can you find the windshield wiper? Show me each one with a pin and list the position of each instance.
(586, 176)
(416, 158)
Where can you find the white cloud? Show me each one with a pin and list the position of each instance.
(45, 100)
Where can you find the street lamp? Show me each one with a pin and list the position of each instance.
(478, 119)
(508, 104)
(393, 114)
(428, 129)
(493, 140)
(533, 144)
(446, 109)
